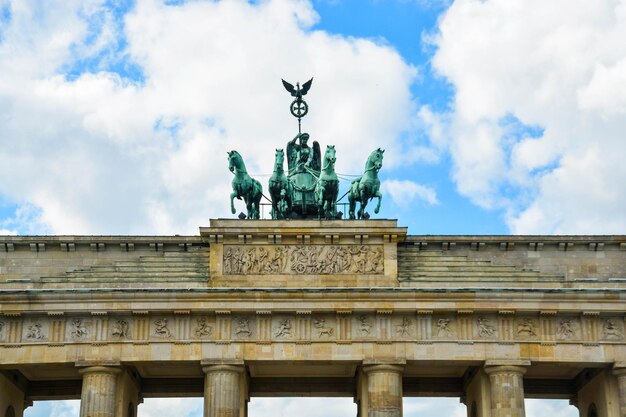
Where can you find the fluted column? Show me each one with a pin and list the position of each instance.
(97, 398)
(224, 394)
(384, 390)
(507, 390)
(620, 373)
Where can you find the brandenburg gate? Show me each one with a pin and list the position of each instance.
(353, 308)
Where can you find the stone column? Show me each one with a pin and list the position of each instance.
(384, 390)
(620, 373)
(224, 391)
(507, 390)
(98, 395)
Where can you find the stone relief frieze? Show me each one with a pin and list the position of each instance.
(303, 259)
(318, 327)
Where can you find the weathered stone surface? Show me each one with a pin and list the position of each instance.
(160, 309)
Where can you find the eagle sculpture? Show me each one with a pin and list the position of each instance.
(296, 91)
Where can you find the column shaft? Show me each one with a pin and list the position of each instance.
(98, 395)
(384, 390)
(507, 390)
(223, 391)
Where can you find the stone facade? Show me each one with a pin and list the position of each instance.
(351, 308)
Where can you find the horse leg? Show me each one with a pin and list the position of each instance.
(352, 202)
(380, 197)
(363, 203)
(232, 203)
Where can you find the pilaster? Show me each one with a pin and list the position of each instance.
(507, 389)
(478, 394)
(601, 394)
(99, 393)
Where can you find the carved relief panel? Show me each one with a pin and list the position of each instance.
(244, 327)
(283, 327)
(120, 328)
(35, 330)
(364, 326)
(527, 328)
(612, 328)
(302, 259)
(567, 328)
(444, 327)
(323, 327)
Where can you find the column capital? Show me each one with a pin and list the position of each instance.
(240, 369)
(394, 368)
(502, 369)
(100, 369)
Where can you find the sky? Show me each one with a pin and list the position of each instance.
(496, 116)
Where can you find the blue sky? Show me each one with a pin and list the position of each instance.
(497, 116)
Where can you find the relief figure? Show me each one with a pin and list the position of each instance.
(565, 329)
(284, 329)
(161, 329)
(365, 326)
(202, 328)
(485, 329)
(443, 328)
(78, 329)
(34, 332)
(404, 328)
(610, 330)
(320, 325)
(526, 327)
(243, 327)
(120, 329)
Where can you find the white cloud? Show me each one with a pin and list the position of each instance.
(406, 192)
(103, 154)
(558, 65)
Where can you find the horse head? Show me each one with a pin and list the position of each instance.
(235, 162)
(329, 157)
(375, 160)
(279, 158)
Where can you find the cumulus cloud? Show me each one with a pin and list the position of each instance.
(121, 124)
(557, 69)
(406, 192)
